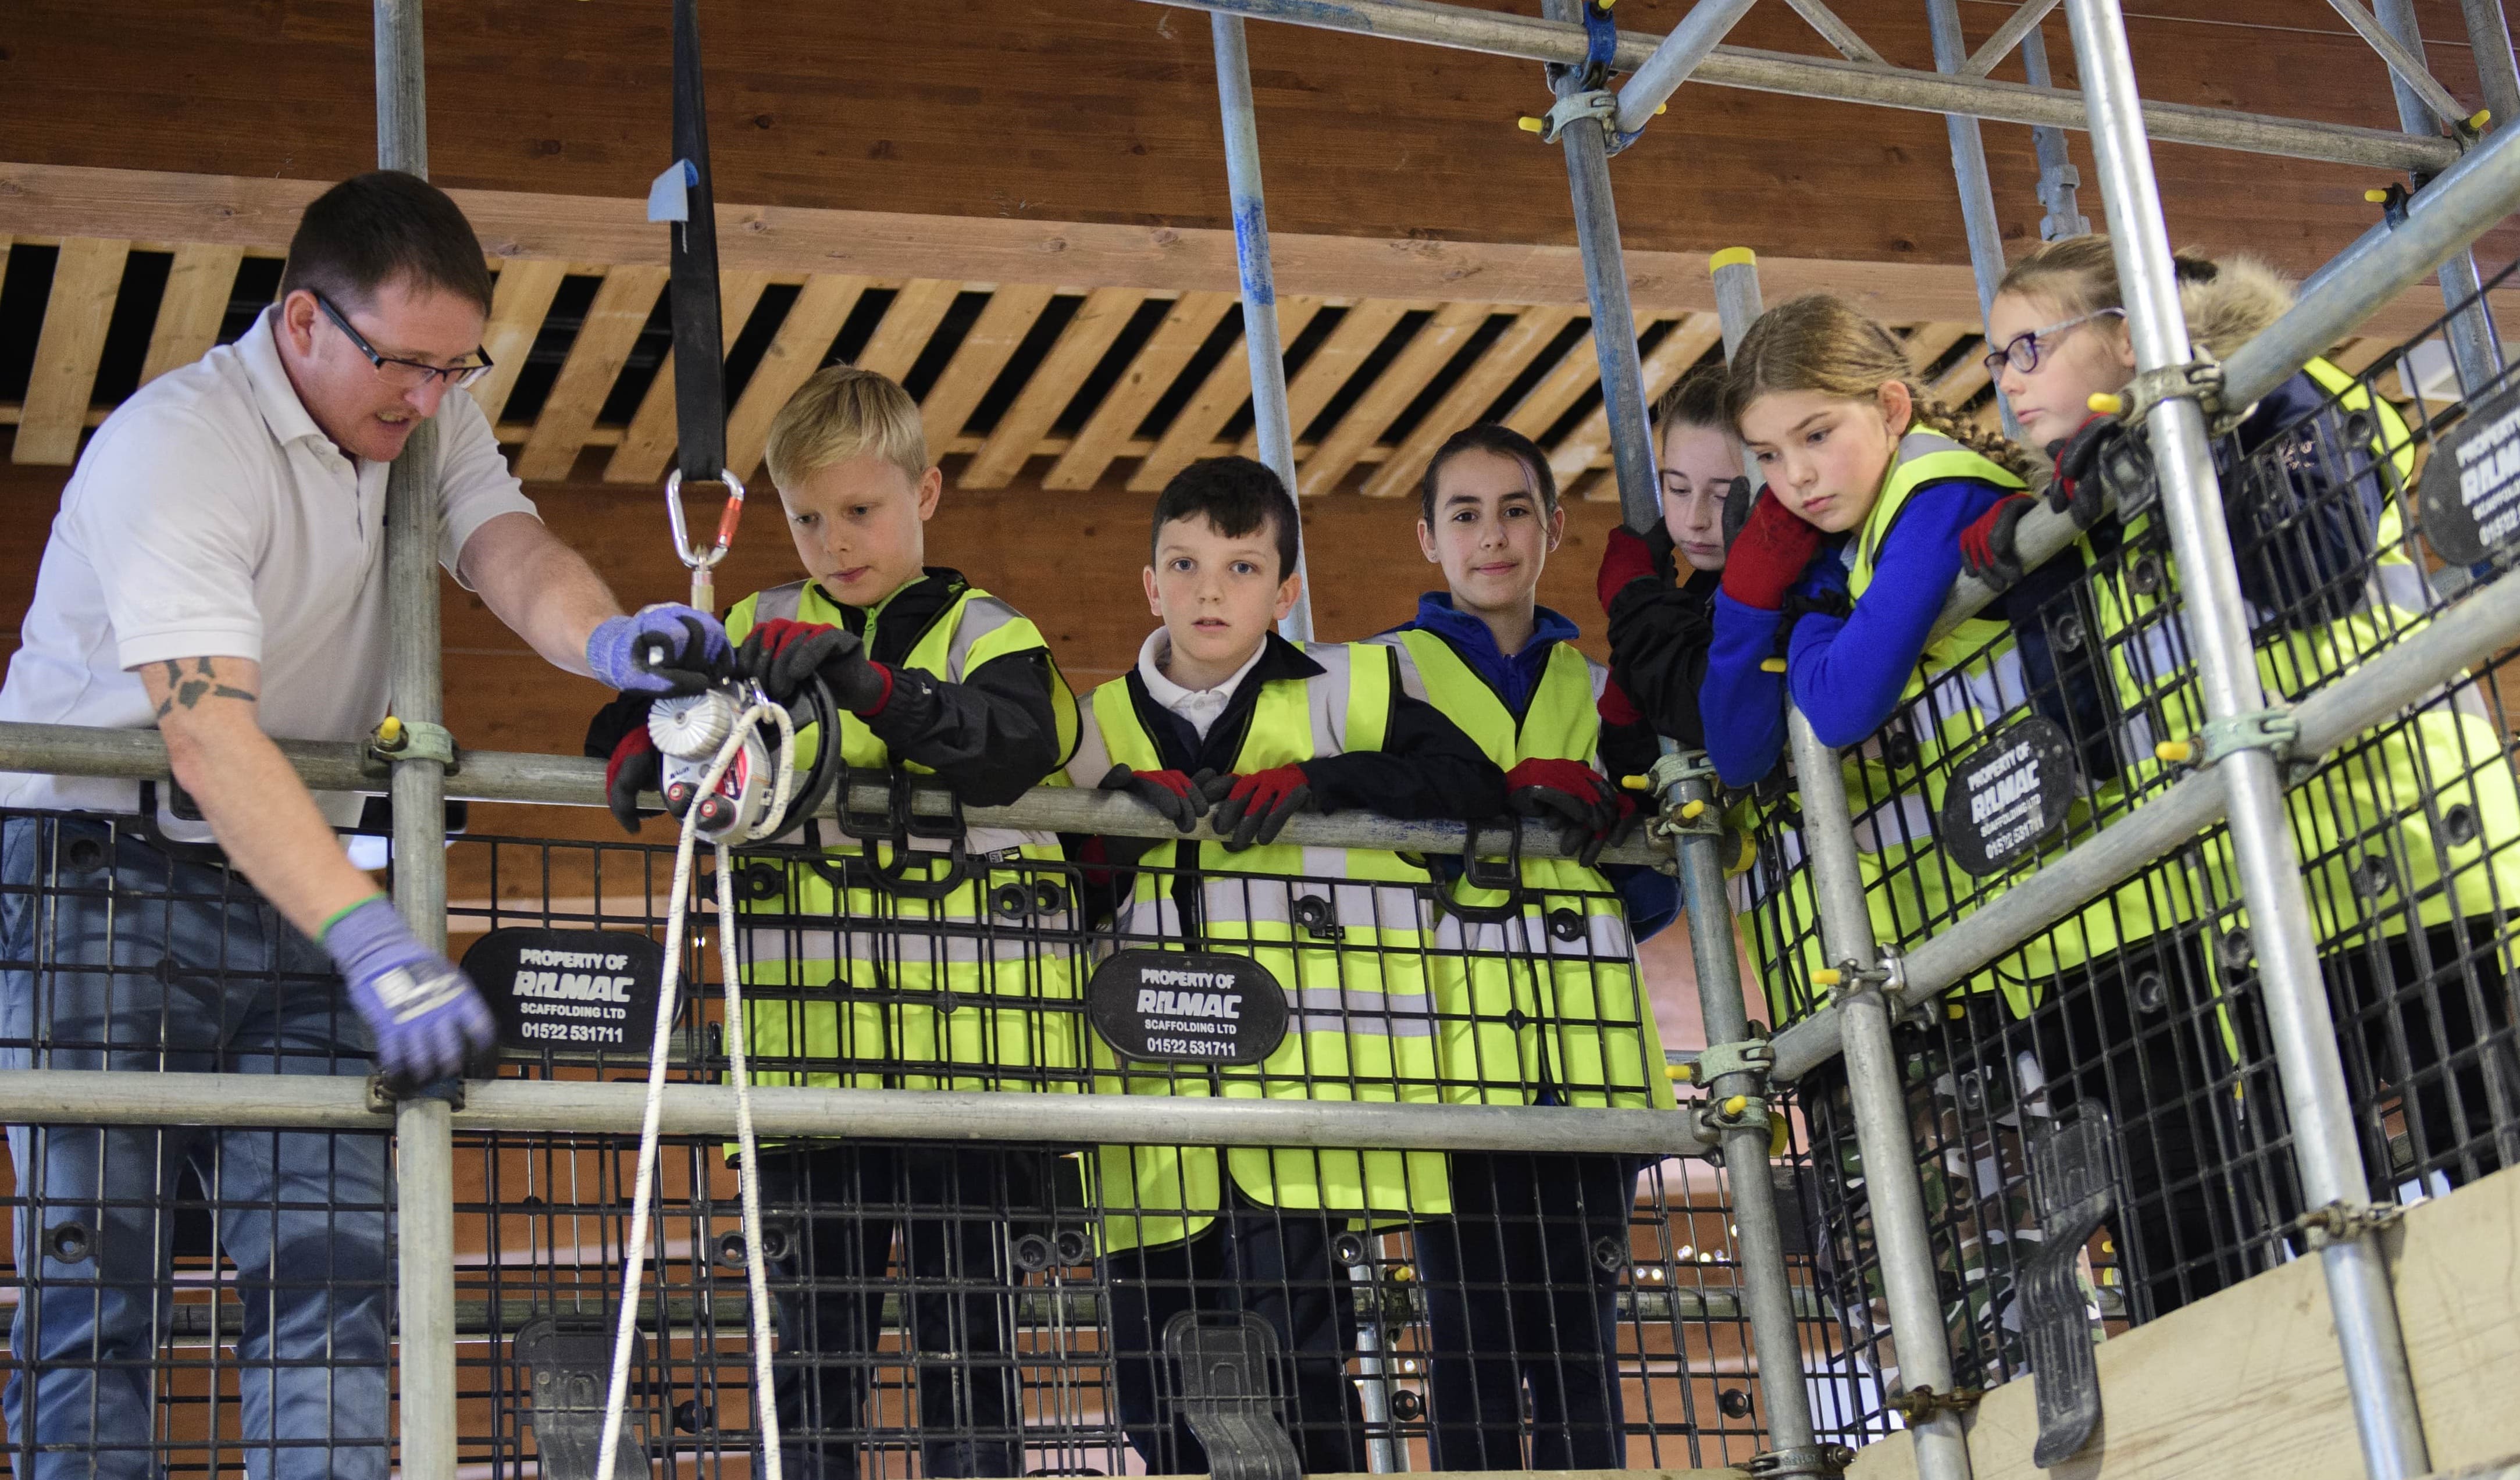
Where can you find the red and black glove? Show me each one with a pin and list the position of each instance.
(1589, 811)
(1771, 554)
(2100, 462)
(635, 767)
(1169, 792)
(1626, 558)
(1254, 808)
(1988, 549)
(781, 654)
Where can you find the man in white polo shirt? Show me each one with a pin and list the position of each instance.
(217, 572)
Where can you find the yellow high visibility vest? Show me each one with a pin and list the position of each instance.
(969, 991)
(1549, 996)
(1343, 931)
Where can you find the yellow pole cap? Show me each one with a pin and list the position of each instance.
(1731, 256)
(2377, 196)
(1779, 1134)
(1691, 812)
(2480, 117)
(1772, 665)
(1402, 1273)
(2106, 404)
(1736, 1105)
(1679, 1073)
(1636, 782)
(1661, 108)
(389, 732)
(1955, 1011)
(1825, 976)
(1529, 124)
(2176, 752)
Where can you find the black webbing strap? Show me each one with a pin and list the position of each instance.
(699, 341)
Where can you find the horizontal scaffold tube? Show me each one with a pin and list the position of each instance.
(1503, 34)
(2415, 669)
(308, 1102)
(568, 780)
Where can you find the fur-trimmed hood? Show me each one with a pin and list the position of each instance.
(2243, 297)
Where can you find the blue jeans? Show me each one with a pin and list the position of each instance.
(121, 958)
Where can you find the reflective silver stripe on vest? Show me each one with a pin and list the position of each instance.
(1327, 698)
(779, 603)
(981, 615)
(1412, 682)
(1605, 940)
(774, 945)
(1346, 1010)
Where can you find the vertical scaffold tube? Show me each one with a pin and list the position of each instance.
(1259, 283)
(1605, 290)
(2060, 182)
(1968, 168)
(1891, 1185)
(2474, 347)
(2213, 616)
(423, 1134)
(2497, 74)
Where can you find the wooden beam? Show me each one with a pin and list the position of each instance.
(1151, 372)
(1576, 371)
(622, 308)
(1419, 361)
(2356, 356)
(1965, 379)
(979, 360)
(1927, 343)
(652, 437)
(519, 305)
(1081, 346)
(908, 325)
(199, 287)
(1477, 388)
(1685, 344)
(1225, 392)
(804, 338)
(86, 279)
(1350, 344)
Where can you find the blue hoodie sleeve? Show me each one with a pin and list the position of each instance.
(1846, 672)
(1742, 707)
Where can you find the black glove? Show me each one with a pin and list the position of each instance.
(2102, 459)
(1737, 508)
(1989, 547)
(1175, 795)
(635, 767)
(781, 656)
(1254, 808)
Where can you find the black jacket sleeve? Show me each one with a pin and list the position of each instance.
(1427, 769)
(627, 712)
(990, 737)
(1659, 639)
(2304, 504)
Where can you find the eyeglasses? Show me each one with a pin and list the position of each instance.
(406, 375)
(2022, 352)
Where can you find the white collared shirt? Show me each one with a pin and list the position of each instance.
(1200, 706)
(209, 516)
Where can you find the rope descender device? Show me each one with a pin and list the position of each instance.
(703, 558)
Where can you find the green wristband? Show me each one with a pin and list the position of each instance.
(334, 918)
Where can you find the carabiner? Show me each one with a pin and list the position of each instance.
(703, 558)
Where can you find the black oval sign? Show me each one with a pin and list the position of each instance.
(2470, 493)
(581, 990)
(1187, 1007)
(2007, 795)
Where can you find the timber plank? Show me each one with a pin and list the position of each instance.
(648, 443)
(1349, 345)
(1685, 344)
(798, 349)
(979, 360)
(518, 306)
(1927, 343)
(1080, 347)
(1224, 392)
(197, 287)
(1419, 361)
(622, 308)
(1479, 387)
(908, 325)
(1576, 371)
(1965, 379)
(1151, 372)
(85, 283)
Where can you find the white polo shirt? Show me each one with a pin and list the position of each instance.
(210, 517)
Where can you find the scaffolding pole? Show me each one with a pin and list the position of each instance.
(423, 1136)
(1977, 192)
(2059, 181)
(2213, 616)
(1503, 34)
(2474, 348)
(1260, 342)
(1678, 55)
(2497, 75)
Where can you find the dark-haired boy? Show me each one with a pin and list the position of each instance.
(218, 573)
(1223, 719)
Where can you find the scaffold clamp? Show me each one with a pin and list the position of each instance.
(1750, 1056)
(2199, 379)
(2343, 1222)
(1809, 1460)
(396, 739)
(1600, 104)
(2273, 730)
(1920, 1405)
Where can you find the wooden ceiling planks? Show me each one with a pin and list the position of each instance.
(907, 324)
(1428, 351)
(648, 443)
(199, 284)
(1351, 341)
(1685, 345)
(86, 280)
(1000, 330)
(1226, 391)
(804, 338)
(1150, 372)
(519, 304)
(1081, 345)
(1506, 359)
(622, 307)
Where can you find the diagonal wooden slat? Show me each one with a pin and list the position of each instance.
(198, 288)
(908, 325)
(85, 281)
(2356, 356)
(650, 441)
(1927, 343)
(799, 347)
(622, 308)
(979, 360)
(1479, 387)
(1965, 379)
(1349, 345)
(1576, 371)
(1685, 344)
(519, 305)
(1426, 355)
(1151, 372)
(1081, 345)
(1225, 392)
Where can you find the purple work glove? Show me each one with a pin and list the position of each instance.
(429, 1021)
(664, 648)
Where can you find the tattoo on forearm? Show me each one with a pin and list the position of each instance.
(189, 692)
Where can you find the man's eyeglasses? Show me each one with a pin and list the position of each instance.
(2024, 349)
(407, 374)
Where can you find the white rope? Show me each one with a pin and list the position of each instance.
(747, 1172)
